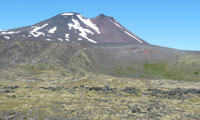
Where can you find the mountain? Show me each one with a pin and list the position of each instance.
(66, 41)
(73, 27)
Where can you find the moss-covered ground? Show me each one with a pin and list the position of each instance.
(52, 94)
(186, 68)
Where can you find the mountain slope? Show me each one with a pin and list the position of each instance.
(73, 27)
(115, 59)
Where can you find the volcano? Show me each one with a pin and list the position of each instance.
(73, 27)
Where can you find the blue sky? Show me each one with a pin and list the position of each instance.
(168, 23)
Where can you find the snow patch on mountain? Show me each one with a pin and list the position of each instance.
(115, 23)
(66, 35)
(52, 30)
(89, 23)
(133, 36)
(80, 39)
(6, 37)
(82, 30)
(37, 34)
(67, 14)
(10, 32)
(60, 39)
(48, 39)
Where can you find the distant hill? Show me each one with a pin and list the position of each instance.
(116, 59)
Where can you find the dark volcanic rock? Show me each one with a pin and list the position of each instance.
(7, 91)
(174, 94)
(82, 86)
(135, 109)
(11, 87)
(29, 87)
(131, 90)
(105, 88)
(58, 88)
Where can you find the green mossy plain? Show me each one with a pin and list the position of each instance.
(38, 103)
(178, 71)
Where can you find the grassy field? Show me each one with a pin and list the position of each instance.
(51, 94)
(187, 69)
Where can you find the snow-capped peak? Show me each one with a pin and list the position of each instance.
(74, 27)
(67, 14)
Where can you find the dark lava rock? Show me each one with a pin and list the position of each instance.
(105, 88)
(7, 91)
(29, 87)
(53, 88)
(131, 90)
(135, 110)
(11, 87)
(127, 88)
(90, 88)
(100, 100)
(150, 109)
(12, 96)
(174, 94)
(75, 87)
(95, 88)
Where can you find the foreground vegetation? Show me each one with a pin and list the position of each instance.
(50, 94)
